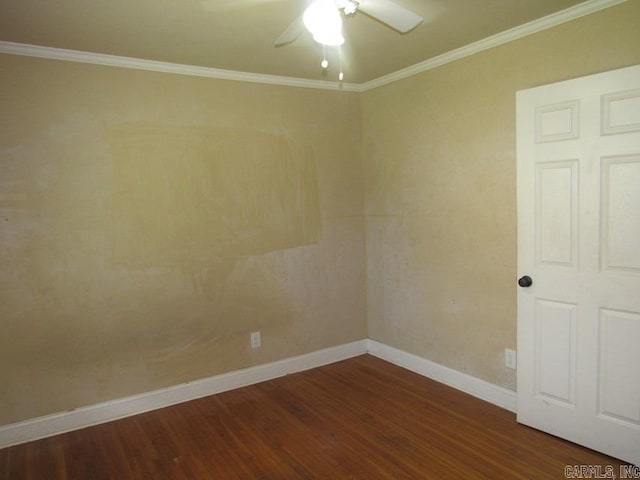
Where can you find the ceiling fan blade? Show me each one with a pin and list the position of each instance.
(291, 34)
(391, 14)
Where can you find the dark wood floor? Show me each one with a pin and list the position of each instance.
(358, 419)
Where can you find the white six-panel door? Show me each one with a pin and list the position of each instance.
(579, 241)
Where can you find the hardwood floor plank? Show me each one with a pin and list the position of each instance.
(362, 418)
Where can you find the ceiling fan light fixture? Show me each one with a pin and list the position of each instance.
(322, 19)
(329, 39)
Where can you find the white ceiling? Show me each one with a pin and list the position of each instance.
(238, 35)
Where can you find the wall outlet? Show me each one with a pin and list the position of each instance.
(510, 360)
(255, 340)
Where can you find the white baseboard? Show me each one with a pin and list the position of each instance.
(46, 426)
(41, 427)
(489, 392)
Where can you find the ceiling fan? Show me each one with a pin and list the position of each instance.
(323, 20)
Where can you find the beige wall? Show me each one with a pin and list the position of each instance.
(150, 222)
(440, 183)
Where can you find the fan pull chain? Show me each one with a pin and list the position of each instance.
(324, 63)
(341, 74)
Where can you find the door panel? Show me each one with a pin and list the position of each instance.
(621, 112)
(579, 239)
(555, 351)
(620, 219)
(619, 345)
(557, 219)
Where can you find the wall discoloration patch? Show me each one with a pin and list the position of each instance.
(191, 195)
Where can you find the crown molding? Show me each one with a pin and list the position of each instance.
(165, 67)
(567, 15)
(558, 18)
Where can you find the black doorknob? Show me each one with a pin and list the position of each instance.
(525, 281)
